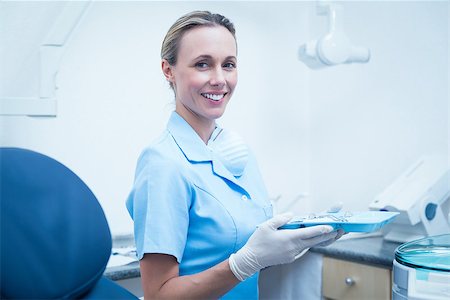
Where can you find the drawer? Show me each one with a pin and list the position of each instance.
(348, 280)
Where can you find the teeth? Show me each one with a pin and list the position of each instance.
(213, 97)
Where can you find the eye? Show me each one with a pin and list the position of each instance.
(201, 65)
(229, 65)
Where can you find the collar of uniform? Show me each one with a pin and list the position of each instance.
(187, 139)
(195, 149)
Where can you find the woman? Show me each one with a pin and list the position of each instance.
(198, 196)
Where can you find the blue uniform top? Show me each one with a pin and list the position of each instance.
(185, 203)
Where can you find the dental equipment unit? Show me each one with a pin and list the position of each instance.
(334, 47)
(422, 197)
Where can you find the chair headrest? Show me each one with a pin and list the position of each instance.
(55, 237)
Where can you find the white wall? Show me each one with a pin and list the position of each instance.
(338, 134)
(370, 122)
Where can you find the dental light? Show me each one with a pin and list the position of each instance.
(334, 47)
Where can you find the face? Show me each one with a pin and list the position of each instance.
(205, 74)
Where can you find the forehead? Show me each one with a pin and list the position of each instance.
(215, 41)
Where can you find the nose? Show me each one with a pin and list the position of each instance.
(217, 77)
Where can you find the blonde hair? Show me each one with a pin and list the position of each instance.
(171, 42)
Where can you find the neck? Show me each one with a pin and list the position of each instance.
(204, 130)
(202, 126)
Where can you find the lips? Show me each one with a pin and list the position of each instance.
(214, 97)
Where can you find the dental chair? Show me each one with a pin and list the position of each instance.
(55, 239)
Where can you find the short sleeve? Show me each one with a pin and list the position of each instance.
(159, 205)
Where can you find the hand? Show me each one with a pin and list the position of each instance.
(335, 208)
(269, 246)
(339, 233)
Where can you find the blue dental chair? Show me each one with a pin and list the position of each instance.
(55, 240)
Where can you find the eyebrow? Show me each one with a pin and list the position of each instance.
(206, 56)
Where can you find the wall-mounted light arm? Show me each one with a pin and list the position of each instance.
(334, 47)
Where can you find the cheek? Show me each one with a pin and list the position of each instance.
(188, 81)
(197, 80)
(232, 80)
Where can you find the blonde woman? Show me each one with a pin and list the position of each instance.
(203, 221)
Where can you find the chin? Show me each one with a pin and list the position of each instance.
(216, 114)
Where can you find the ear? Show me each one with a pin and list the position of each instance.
(167, 70)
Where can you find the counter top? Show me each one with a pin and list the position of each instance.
(368, 250)
(123, 272)
(131, 270)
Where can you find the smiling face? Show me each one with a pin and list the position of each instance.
(204, 76)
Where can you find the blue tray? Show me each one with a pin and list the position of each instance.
(360, 221)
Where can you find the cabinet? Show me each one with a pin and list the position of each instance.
(349, 280)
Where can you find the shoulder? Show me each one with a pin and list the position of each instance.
(163, 150)
(162, 157)
(161, 174)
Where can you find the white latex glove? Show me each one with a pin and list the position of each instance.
(268, 246)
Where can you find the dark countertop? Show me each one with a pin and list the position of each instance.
(123, 272)
(367, 250)
(127, 271)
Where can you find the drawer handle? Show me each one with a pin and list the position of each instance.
(349, 281)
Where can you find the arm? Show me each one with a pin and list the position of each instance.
(161, 280)
(267, 246)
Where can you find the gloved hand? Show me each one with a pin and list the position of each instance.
(269, 246)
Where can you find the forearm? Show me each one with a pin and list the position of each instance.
(209, 284)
